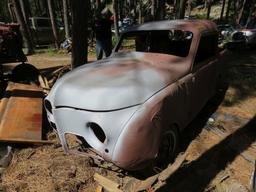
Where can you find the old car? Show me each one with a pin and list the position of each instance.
(225, 31)
(132, 106)
(41, 29)
(11, 44)
(243, 38)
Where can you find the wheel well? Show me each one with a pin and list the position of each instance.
(176, 126)
(169, 149)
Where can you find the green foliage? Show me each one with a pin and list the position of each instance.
(49, 52)
(114, 40)
(92, 52)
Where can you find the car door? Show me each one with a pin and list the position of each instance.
(204, 71)
(177, 105)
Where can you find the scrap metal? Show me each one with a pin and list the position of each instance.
(21, 114)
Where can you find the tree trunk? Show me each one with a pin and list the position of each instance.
(131, 4)
(11, 12)
(236, 9)
(241, 12)
(79, 10)
(140, 11)
(38, 7)
(98, 6)
(65, 13)
(54, 27)
(126, 8)
(45, 11)
(25, 10)
(222, 9)
(252, 9)
(228, 9)
(59, 9)
(189, 7)
(161, 9)
(26, 14)
(23, 27)
(153, 8)
(115, 9)
(121, 10)
(176, 6)
(209, 6)
(182, 8)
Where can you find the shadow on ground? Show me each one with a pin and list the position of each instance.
(198, 174)
(241, 75)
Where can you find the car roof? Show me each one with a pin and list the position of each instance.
(193, 25)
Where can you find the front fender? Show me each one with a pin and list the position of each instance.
(139, 140)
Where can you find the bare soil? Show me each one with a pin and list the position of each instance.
(220, 144)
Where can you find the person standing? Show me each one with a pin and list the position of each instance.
(103, 33)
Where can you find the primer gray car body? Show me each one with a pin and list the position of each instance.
(122, 105)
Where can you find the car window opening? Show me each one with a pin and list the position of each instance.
(208, 47)
(172, 42)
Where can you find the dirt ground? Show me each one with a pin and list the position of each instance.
(220, 144)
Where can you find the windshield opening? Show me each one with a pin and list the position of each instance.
(172, 42)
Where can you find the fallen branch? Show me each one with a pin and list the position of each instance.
(253, 179)
(147, 183)
(156, 181)
(248, 157)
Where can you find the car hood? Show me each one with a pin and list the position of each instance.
(123, 80)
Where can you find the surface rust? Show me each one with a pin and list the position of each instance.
(21, 113)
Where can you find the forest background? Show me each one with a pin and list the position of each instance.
(77, 16)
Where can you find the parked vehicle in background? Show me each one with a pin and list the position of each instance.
(41, 29)
(127, 22)
(10, 43)
(225, 34)
(243, 38)
(225, 30)
(132, 106)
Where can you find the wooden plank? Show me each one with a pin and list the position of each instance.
(107, 183)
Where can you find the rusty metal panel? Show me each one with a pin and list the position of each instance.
(21, 113)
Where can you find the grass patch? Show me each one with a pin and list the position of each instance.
(50, 52)
(53, 52)
(91, 52)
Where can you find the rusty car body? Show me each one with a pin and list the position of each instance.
(132, 106)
